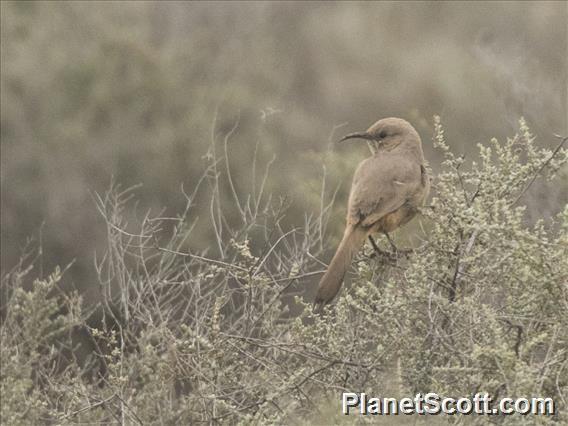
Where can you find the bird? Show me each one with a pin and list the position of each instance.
(388, 190)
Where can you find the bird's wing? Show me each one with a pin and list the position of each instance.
(381, 185)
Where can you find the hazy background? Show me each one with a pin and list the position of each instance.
(138, 90)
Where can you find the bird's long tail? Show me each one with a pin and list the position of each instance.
(330, 283)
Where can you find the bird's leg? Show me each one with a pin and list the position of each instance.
(391, 242)
(378, 251)
(396, 251)
(374, 244)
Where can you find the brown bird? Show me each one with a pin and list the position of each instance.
(387, 190)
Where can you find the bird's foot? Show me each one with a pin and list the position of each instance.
(378, 252)
(391, 242)
(398, 252)
(388, 255)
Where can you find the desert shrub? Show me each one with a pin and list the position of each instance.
(36, 382)
(227, 335)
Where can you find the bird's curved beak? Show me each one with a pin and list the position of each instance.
(356, 135)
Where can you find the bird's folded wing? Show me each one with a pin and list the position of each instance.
(382, 185)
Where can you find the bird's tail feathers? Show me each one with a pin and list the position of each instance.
(330, 283)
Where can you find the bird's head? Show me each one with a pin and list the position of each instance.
(388, 133)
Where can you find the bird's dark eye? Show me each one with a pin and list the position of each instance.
(383, 134)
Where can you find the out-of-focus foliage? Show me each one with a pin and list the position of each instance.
(137, 90)
(478, 306)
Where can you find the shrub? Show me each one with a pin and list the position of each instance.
(226, 335)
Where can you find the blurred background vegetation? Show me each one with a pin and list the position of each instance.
(139, 90)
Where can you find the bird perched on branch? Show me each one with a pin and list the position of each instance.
(387, 190)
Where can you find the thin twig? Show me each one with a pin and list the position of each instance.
(563, 139)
